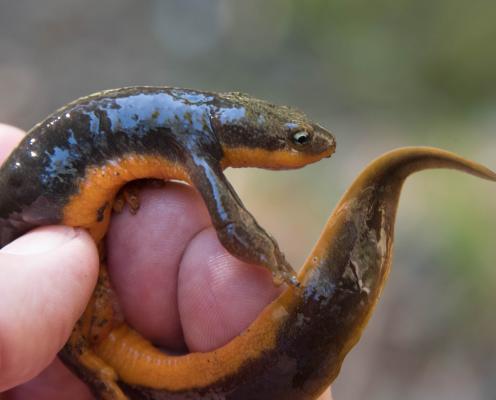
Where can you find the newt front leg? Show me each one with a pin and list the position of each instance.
(236, 228)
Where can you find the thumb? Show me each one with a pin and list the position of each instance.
(46, 279)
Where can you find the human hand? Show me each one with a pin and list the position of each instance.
(165, 261)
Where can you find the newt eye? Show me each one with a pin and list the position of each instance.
(301, 137)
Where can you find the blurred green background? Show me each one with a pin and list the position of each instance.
(380, 75)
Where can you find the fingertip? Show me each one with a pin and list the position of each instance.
(218, 295)
(46, 279)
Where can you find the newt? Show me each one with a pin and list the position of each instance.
(70, 168)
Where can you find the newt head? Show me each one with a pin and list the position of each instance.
(255, 133)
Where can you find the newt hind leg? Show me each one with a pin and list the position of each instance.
(99, 318)
(129, 194)
(101, 378)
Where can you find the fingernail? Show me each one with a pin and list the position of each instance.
(41, 240)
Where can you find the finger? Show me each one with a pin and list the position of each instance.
(9, 137)
(46, 280)
(218, 295)
(144, 252)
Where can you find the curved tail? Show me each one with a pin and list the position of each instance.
(347, 269)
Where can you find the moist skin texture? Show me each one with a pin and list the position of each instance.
(70, 167)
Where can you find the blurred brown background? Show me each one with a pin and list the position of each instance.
(380, 74)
